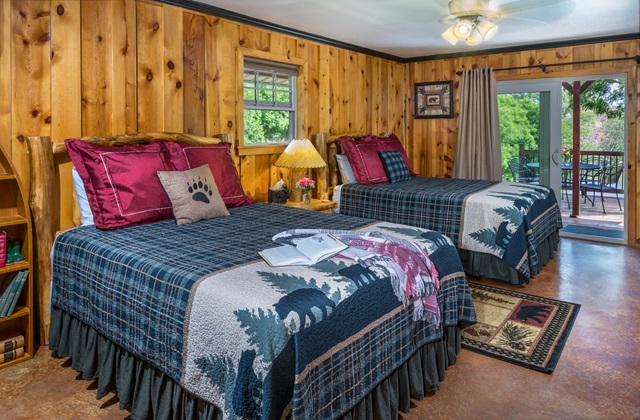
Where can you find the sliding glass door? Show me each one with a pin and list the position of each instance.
(570, 134)
(530, 132)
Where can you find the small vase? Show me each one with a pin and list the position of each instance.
(306, 198)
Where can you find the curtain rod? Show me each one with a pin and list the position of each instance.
(543, 66)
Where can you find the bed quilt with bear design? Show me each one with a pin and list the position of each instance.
(196, 302)
(504, 219)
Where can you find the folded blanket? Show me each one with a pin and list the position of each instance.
(414, 278)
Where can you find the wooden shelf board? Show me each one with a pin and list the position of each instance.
(23, 265)
(22, 311)
(12, 220)
(14, 217)
(26, 356)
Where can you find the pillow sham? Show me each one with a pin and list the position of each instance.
(218, 157)
(346, 173)
(86, 216)
(394, 166)
(364, 159)
(121, 183)
(193, 194)
(393, 143)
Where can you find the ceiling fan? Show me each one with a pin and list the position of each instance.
(473, 20)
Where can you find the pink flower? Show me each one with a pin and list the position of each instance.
(305, 184)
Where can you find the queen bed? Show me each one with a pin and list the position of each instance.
(184, 320)
(506, 231)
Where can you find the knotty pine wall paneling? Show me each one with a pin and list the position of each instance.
(194, 64)
(150, 66)
(6, 82)
(175, 67)
(96, 68)
(433, 141)
(70, 68)
(30, 78)
(66, 86)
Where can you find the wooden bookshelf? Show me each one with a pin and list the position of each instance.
(16, 221)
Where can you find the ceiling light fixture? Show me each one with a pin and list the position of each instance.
(473, 25)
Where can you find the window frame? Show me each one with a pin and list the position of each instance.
(298, 100)
(274, 105)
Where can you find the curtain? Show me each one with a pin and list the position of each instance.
(478, 147)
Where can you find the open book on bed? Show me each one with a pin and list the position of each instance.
(307, 252)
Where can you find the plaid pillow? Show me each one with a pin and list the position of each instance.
(394, 166)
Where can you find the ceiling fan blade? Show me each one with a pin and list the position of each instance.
(467, 7)
(508, 7)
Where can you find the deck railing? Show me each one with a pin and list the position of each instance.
(600, 158)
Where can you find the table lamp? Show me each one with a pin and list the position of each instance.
(299, 156)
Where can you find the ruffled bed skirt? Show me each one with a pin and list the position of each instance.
(148, 393)
(479, 264)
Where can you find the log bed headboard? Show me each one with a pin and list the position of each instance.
(329, 147)
(51, 187)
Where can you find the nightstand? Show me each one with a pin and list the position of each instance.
(325, 206)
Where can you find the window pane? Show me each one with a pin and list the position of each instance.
(269, 103)
(249, 79)
(249, 95)
(282, 82)
(265, 95)
(283, 98)
(266, 126)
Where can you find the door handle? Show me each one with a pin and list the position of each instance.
(554, 156)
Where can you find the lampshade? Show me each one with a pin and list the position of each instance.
(486, 29)
(463, 29)
(450, 35)
(300, 153)
(474, 39)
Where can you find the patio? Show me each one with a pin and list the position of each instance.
(592, 215)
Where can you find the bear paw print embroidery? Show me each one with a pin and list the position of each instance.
(200, 190)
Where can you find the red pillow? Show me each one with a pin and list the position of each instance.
(122, 186)
(392, 143)
(218, 157)
(365, 161)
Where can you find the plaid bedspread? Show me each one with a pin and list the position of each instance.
(507, 220)
(149, 289)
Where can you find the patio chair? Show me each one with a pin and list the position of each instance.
(521, 172)
(604, 180)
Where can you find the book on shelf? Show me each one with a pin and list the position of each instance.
(5, 288)
(11, 355)
(16, 288)
(11, 340)
(308, 251)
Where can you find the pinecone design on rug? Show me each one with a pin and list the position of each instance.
(515, 337)
(517, 327)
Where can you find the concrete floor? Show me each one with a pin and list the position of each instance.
(596, 377)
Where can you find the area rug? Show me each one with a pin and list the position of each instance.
(524, 329)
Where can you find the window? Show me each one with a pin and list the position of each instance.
(269, 102)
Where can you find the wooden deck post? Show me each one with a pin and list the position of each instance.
(576, 90)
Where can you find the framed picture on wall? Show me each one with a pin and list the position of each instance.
(434, 100)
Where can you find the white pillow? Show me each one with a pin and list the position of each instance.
(83, 202)
(346, 173)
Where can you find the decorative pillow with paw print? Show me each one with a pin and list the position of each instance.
(193, 194)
